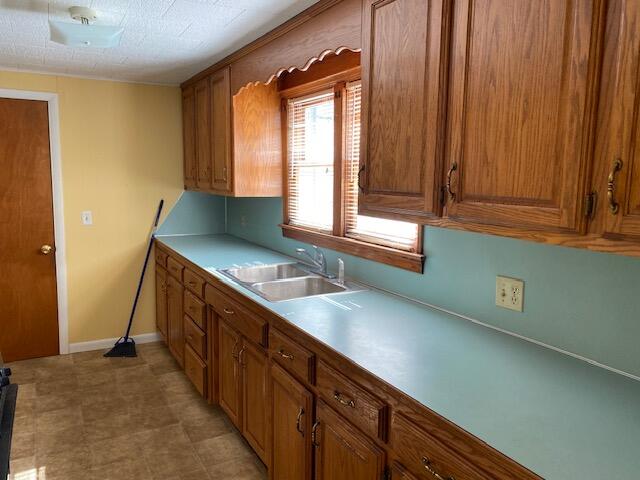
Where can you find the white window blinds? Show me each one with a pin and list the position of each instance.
(310, 162)
(392, 233)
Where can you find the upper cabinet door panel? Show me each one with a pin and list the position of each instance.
(203, 135)
(401, 100)
(520, 103)
(189, 137)
(221, 130)
(619, 126)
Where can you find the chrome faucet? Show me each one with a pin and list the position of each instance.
(318, 260)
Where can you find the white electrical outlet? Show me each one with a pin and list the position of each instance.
(87, 217)
(509, 293)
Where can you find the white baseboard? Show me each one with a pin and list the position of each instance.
(108, 342)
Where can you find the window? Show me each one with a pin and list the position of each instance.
(321, 205)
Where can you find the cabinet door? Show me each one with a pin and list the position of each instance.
(161, 301)
(342, 451)
(229, 372)
(175, 318)
(617, 172)
(402, 106)
(254, 393)
(189, 137)
(291, 417)
(203, 133)
(221, 130)
(521, 100)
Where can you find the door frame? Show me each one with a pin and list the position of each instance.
(58, 206)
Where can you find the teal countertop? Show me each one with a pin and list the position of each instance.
(556, 415)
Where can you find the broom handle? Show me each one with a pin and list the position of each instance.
(144, 269)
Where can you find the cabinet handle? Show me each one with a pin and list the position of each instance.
(426, 463)
(286, 355)
(453, 168)
(614, 207)
(347, 402)
(241, 355)
(360, 171)
(228, 311)
(299, 421)
(314, 434)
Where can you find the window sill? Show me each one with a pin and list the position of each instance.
(413, 262)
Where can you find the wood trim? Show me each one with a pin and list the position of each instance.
(413, 262)
(277, 32)
(338, 158)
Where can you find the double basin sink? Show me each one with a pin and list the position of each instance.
(286, 281)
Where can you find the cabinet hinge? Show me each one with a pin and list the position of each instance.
(590, 205)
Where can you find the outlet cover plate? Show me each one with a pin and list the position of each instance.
(509, 293)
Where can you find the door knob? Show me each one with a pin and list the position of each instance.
(46, 249)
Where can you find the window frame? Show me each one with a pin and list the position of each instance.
(337, 239)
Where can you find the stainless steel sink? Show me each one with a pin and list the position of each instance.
(286, 281)
(297, 288)
(265, 273)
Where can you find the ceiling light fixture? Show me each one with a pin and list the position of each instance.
(84, 34)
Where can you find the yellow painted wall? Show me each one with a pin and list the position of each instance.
(121, 149)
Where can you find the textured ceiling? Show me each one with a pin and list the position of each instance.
(164, 41)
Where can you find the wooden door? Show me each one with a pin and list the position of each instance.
(221, 130)
(229, 395)
(520, 107)
(175, 318)
(203, 133)
(189, 137)
(291, 418)
(28, 296)
(161, 301)
(255, 375)
(402, 108)
(617, 171)
(342, 451)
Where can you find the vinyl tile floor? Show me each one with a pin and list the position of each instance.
(83, 416)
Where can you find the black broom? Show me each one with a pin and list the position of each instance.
(126, 346)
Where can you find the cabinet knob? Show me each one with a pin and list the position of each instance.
(46, 249)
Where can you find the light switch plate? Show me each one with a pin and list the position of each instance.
(509, 293)
(87, 217)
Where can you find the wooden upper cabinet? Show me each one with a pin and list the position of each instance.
(203, 134)
(189, 134)
(342, 451)
(520, 109)
(232, 145)
(402, 84)
(221, 131)
(617, 170)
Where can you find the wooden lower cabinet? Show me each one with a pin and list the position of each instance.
(255, 377)
(398, 472)
(161, 300)
(342, 452)
(229, 372)
(175, 316)
(291, 419)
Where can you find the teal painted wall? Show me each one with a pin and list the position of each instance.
(583, 302)
(195, 213)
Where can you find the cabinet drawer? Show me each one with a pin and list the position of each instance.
(196, 309)
(290, 355)
(161, 257)
(425, 456)
(352, 401)
(195, 369)
(174, 268)
(193, 282)
(250, 325)
(195, 337)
